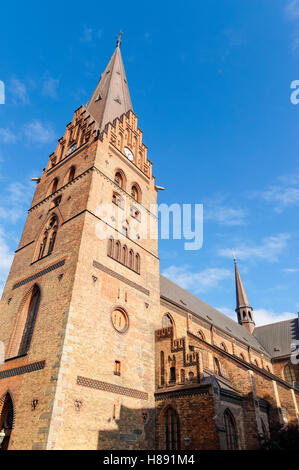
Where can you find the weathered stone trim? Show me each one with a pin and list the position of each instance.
(106, 270)
(200, 390)
(108, 387)
(39, 274)
(22, 370)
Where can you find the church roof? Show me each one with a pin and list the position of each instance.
(278, 337)
(242, 300)
(178, 295)
(111, 98)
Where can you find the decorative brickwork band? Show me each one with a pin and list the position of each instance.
(103, 268)
(22, 370)
(39, 274)
(107, 387)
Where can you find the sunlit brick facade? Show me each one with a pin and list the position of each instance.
(101, 352)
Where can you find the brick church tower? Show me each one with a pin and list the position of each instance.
(81, 302)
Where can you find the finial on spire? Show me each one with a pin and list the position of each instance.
(235, 257)
(118, 43)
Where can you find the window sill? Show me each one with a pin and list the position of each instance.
(16, 357)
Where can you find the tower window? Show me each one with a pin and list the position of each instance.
(172, 377)
(117, 368)
(54, 185)
(30, 321)
(47, 242)
(72, 172)
(118, 179)
(135, 193)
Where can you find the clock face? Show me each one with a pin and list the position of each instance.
(129, 154)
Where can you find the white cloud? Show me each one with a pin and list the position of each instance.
(225, 215)
(38, 132)
(50, 86)
(268, 249)
(291, 270)
(264, 317)
(292, 14)
(16, 198)
(19, 92)
(292, 9)
(261, 316)
(281, 196)
(6, 257)
(86, 34)
(196, 281)
(7, 136)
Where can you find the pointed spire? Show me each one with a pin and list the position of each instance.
(111, 98)
(243, 308)
(242, 300)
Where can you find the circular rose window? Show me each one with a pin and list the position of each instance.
(120, 320)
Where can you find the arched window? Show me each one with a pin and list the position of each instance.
(183, 375)
(162, 368)
(201, 335)
(54, 186)
(135, 193)
(172, 377)
(43, 245)
(71, 175)
(118, 179)
(191, 376)
(52, 235)
(117, 250)
(131, 259)
(289, 374)
(231, 431)
(124, 258)
(167, 321)
(172, 430)
(137, 263)
(6, 420)
(48, 238)
(217, 366)
(30, 321)
(110, 246)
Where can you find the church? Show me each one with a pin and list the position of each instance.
(101, 351)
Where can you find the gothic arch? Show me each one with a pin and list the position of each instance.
(7, 418)
(136, 192)
(23, 316)
(47, 237)
(231, 430)
(123, 179)
(70, 175)
(53, 186)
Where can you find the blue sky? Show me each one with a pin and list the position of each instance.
(210, 82)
